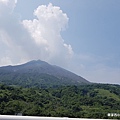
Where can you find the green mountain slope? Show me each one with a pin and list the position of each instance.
(85, 101)
(40, 74)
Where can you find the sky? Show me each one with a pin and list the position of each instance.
(82, 36)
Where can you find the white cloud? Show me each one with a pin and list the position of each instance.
(46, 31)
(34, 39)
(52, 17)
(14, 39)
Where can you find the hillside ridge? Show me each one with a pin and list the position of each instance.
(39, 73)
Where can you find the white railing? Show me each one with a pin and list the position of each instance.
(10, 117)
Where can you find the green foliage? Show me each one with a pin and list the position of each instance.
(85, 101)
(28, 80)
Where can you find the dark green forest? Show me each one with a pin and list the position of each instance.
(84, 101)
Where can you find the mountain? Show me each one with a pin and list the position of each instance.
(39, 73)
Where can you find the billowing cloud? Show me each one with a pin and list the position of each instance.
(46, 31)
(39, 38)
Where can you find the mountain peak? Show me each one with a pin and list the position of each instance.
(38, 73)
(36, 62)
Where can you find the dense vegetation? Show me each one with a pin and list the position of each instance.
(85, 101)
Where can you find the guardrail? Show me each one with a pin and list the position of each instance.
(10, 117)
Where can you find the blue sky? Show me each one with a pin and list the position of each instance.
(88, 45)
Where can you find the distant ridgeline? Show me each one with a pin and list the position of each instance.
(84, 101)
(38, 73)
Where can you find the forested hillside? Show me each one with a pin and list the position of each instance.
(39, 73)
(85, 101)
